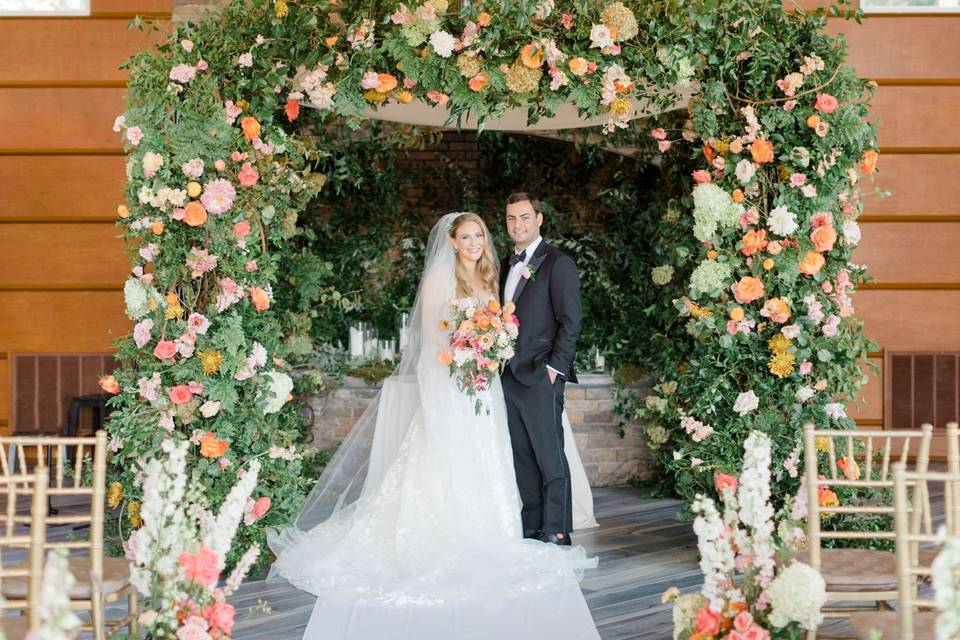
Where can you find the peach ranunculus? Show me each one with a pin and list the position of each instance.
(180, 394)
(748, 290)
(761, 150)
(483, 19)
(202, 567)
(708, 622)
(776, 309)
(165, 350)
(251, 128)
(736, 314)
(387, 82)
(850, 468)
(531, 56)
(195, 214)
(578, 66)
(110, 384)
(823, 238)
(210, 447)
(811, 263)
(868, 163)
(248, 176)
(483, 322)
(445, 357)
(754, 241)
(493, 306)
(479, 82)
(260, 298)
(724, 481)
(826, 103)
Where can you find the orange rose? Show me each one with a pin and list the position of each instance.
(483, 322)
(444, 325)
(811, 263)
(251, 128)
(195, 214)
(479, 82)
(737, 196)
(483, 19)
(851, 470)
(869, 162)
(260, 298)
(712, 254)
(754, 241)
(123, 212)
(768, 264)
(110, 384)
(210, 447)
(748, 290)
(387, 83)
(823, 238)
(331, 40)
(827, 498)
(157, 227)
(813, 121)
(445, 357)
(761, 150)
(532, 56)
(776, 309)
(509, 308)
(578, 66)
(405, 97)
(709, 153)
(493, 306)
(736, 314)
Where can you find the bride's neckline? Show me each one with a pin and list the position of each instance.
(486, 297)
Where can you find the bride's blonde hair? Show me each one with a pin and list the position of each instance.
(486, 268)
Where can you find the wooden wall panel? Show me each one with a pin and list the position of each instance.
(910, 320)
(869, 403)
(917, 116)
(58, 253)
(131, 6)
(63, 50)
(905, 252)
(4, 394)
(917, 184)
(903, 47)
(62, 320)
(61, 186)
(45, 119)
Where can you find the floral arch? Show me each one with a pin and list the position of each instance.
(218, 132)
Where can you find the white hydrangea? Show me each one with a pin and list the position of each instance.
(279, 385)
(661, 275)
(796, 595)
(782, 221)
(712, 208)
(710, 277)
(137, 296)
(443, 43)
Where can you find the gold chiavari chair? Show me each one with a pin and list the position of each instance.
(31, 573)
(99, 580)
(915, 617)
(866, 576)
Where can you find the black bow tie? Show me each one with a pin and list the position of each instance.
(518, 258)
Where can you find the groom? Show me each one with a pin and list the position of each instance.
(545, 286)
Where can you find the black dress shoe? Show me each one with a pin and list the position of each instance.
(561, 539)
(532, 533)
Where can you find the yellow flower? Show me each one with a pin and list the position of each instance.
(523, 79)
(174, 310)
(373, 96)
(781, 364)
(193, 189)
(211, 361)
(469, 65)
(115, 495)
(133, 515)
(699, 312)
(823, 443)
(280, 8)
(619, 107)
(722, 145)
(779, 344)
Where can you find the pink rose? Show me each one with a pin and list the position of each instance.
(192, 632)
(187, 45)
(195, 387)
(826, 103)
(165, 350)
(708, 621)
(743, 621)
(241, 229)
(202, 567)
(134, 135)
(701, 176)
(255, 510)
(798, 180)
(659, 134)
(756, 633)
(251, 266)
(248, 176)
(202, 65)
(723, 481)
(805, 367)
(220, 615)
(664, 145)
(180, 394)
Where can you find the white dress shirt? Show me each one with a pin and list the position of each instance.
(513, 279)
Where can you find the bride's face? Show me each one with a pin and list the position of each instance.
(468, 241)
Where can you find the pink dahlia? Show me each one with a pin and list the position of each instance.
(218, 196)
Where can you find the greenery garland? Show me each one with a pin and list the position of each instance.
(218, 133)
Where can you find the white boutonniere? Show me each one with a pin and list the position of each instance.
(530, 273)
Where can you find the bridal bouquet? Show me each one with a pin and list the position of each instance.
(751, 589)
(178, 553)
(481, 342)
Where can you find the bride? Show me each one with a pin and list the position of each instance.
(413, 530)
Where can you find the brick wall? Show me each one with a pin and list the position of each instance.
(608, 458)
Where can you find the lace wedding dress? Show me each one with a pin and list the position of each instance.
(414, 529)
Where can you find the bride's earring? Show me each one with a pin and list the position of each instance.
(456, 250)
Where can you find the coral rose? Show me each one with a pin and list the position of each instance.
(110, 384)
(761, 151)
(826, 103)
(736, 314)
(493, 306)
(180, 394)
(387, 82)
(260, 298)
(165, 350)
(827, 498)
(220, 615)
(195, 214)
(578, 66)
(202, 567)
(479, 82)
(156, 227)
(248, 176)
(754, 241)
(251, 128)
(776, 309)
(811, 263)
(210, 447)
(748, 290)
(708, 622)
(823, 238)
(869, 162)
(723, 481)
(532, 56)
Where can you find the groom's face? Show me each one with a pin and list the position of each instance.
(523, 223)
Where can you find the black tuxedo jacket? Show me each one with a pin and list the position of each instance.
(548, 308)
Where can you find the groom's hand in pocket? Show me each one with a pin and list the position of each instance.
(552, 375)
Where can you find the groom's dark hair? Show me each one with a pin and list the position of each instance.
(520, 196)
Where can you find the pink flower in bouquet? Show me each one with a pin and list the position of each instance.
(198, 323)
(664, 145)
(798, 180)
(723, 481)
(776, 309)
(195, 387)
(165, 350)
(826, 103)
(659, 134)
(743, 621)
(218, 196)
(251, 266)
(183, 73)
(805, 367)
(821, 219)
(708, 622)
(180, 394)
(700, 176)
(241, 229)
(221, 616)
(187, 45)
(480, 383)
(192, 632)
(142, 333)
(134, 135)
(248, 176)
(485, 342)
(254, 510)
(202, 567)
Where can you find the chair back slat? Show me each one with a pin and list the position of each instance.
(33, 539)
(885, 470)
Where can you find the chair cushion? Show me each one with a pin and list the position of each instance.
(15, 628)
(851, 570)
(888, 622)
(116, 576)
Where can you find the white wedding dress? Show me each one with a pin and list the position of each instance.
(431, 546)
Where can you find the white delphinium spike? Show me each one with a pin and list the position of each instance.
(240, 571)
(219, 537)
(716, 554)
(755, 509)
